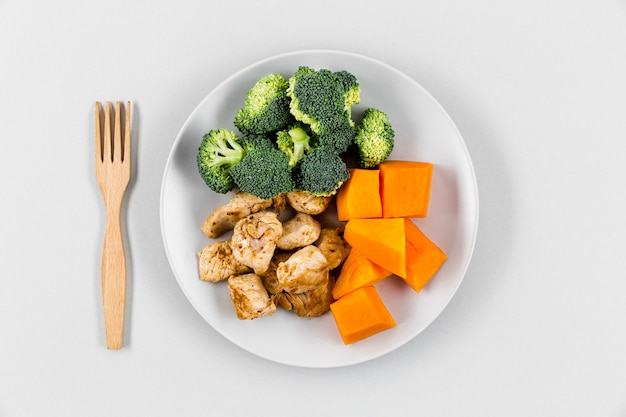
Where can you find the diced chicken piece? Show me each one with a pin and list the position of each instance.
(225, 217)
(303, 271)
(281, 300)
(333, 246)
(249, 297)
(269, 278)
(311, 303)
(298, 232)
(254, 240)
(280, 203)
(305, 202)
(216, 262)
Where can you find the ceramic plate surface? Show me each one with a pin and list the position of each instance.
(424, 132)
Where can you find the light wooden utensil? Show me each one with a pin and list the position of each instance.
(112, 175)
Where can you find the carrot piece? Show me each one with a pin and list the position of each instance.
(380, 240)
(357, 271)
(424, 257)
(405, 188)
(361, 314)
(359, 196)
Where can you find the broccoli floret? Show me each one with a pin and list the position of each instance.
(264, 170)
(266, 106)
(219, 151)
(352, 91)
(374, 138)
(320, 99)
(294, 142)
(320, 172)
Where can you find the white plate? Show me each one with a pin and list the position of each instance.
(424, 132)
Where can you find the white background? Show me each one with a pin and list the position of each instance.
(538, 91)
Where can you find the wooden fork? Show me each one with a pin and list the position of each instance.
(112, 175)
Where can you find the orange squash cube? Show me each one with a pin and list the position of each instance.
(357, 271)
(424, 258)
(380, 240)
(361, 314)
(359, 196)
(405, 188)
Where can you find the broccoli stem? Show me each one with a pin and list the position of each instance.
(298, 135)
(226, 155)
(300, 143)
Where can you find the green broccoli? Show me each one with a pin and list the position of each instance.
(321, 100)
(294, 142)
(320, 172)
(219, 151)
(374, 138)
(266, 106)
(352, 91)
(264, 170)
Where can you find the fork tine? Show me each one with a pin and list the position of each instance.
(107, 152)
(117, 137)
(98, 133)
(126, 153)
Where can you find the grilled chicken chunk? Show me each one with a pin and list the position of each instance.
(305, 282)
(269, 278)
(312, 303)
(225, 217)
(249, 297)
(216, 262)
(333, 246)
(280, 203)
(305, 202)
(303, 271)
(298, 232)
(254, 240)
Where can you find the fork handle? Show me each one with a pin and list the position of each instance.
(113, 277)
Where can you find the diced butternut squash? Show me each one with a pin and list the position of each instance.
(405, 188)
(423, 257)
(380, 240)
(398, 245)
(359, 196)
(357, 271)
(361, 314)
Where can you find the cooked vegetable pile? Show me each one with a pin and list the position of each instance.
(295, 134)
(287, 154)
